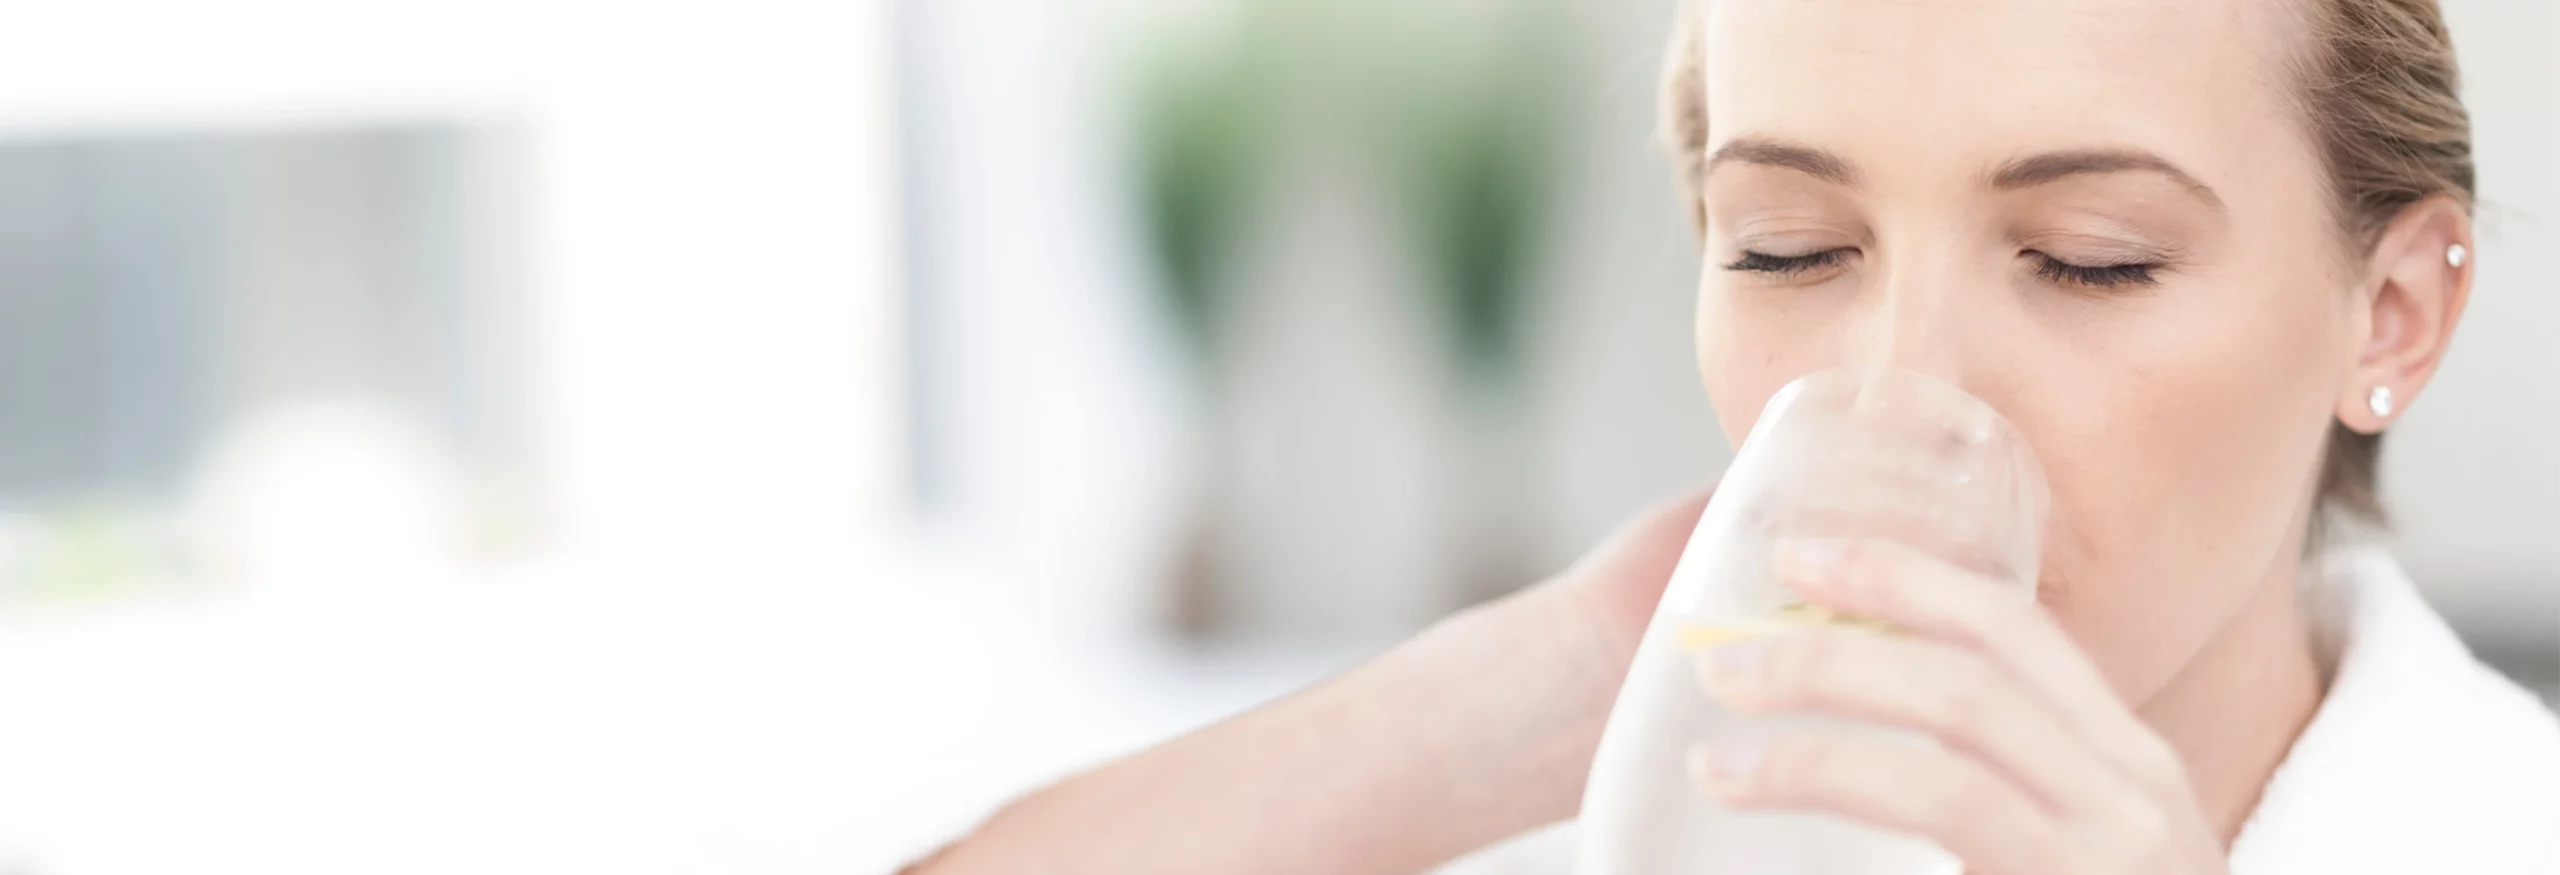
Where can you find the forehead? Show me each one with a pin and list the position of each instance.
(1920, 82)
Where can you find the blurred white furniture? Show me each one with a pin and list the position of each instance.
(810, 714)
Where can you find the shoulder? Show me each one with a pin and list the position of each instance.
(2485, 758)
(2420, 757)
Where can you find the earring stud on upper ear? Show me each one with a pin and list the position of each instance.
(2380, 401)
(2455, 255)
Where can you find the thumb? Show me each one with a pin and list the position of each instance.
(1624, 574)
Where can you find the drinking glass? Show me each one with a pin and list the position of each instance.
(1840, 454)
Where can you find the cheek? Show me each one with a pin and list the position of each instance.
(2182, 447)
(1749, 346)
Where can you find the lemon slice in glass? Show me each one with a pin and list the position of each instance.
(1696, 636)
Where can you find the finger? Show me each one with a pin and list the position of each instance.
(1917, 789)
(1949, 692)
(1917, 592)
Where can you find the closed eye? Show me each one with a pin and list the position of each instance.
(2101, 276)
(1785, 265)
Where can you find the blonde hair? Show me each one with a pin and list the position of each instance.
(2379, 93)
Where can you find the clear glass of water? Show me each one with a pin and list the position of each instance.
(1876, 454)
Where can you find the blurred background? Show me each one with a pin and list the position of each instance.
(552, 436)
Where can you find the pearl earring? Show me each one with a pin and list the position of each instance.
(2455, 255)
(2380, 401)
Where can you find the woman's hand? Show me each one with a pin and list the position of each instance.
(2039, 769)
(1595, 612)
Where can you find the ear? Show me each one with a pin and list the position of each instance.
(2414, 293)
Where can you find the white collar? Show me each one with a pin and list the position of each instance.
(2420, 759)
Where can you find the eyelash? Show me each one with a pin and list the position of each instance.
(2051, 269)
(2046, 267)
(1787, 265)
(2105, 276)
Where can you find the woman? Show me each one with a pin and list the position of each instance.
(2201, 253)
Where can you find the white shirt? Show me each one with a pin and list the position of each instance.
(2420, 759)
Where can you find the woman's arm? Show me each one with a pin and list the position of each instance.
(1481, 727)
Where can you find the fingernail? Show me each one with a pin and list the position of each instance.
(1811, 554)
(1733, 666)
(1724, 768)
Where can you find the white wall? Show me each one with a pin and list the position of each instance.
(713, 247)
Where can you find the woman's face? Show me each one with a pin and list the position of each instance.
(2100, 216)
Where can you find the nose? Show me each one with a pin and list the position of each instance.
(1922, 314)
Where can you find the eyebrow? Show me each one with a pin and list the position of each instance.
(1774, 153)
(2027, 172)
(2037, 170)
